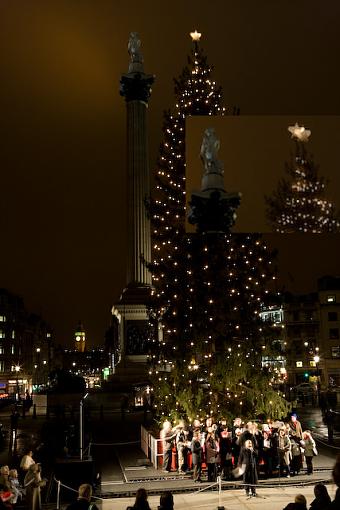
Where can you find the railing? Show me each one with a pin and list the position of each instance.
(151, 448)
(144, 441)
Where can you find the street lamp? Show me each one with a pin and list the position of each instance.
(81, 425)
(317, 359)
(38, 377)
(17, 370)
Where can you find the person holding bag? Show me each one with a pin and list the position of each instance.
(309, 446)
(32, 484)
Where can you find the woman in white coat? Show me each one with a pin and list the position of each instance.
(309, 446)
(32, 484)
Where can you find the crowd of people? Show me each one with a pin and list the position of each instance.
(321, 501)
(21, 485)
(274, 448)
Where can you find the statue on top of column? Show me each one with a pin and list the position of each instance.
(209, 148)
(136, 56)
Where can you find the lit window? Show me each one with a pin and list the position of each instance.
(12, 349)
(299, 364)
(312, 363)
(336, 352)
(48, 335)
(2, 350)
(330, 298)
(13, 334)
(2, 366)
(2, 318)
(2, 334)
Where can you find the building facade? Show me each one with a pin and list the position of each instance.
(308, 329)
(329, 328)
(25, 347)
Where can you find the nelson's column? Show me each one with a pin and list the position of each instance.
(130, 313)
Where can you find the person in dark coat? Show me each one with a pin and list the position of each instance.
(83, 501)
(14, 419)
(141, 502)
(251, 433)
(211, 453)
(330, 420)
(335, 505)
(322, 499)
(166, 501)
(267, 453)
(296, 461)
(236, 446)
(197, 451)
(226, 461)
(300, 503)
(248, 462)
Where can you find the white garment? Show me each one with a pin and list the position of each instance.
(26, 462)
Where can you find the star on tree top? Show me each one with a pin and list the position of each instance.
(195, 36)
(299, 132)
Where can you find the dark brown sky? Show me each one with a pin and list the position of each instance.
(63, 124)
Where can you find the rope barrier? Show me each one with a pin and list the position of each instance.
(317, 436)
(115, 444)
(266, 485)
(60, 484)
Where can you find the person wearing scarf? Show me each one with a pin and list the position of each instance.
(32, 484)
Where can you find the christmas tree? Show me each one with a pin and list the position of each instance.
(298, 204)
(208, 288)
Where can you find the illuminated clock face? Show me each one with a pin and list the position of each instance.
(78, 338)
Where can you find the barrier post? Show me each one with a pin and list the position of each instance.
(58, 495)
(219, 482)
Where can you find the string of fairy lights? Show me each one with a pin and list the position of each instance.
(299, 205)
(208, 292)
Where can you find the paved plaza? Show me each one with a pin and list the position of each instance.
(275, 498)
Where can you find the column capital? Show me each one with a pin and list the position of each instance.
(136, 86)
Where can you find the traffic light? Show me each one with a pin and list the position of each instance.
(306, 374)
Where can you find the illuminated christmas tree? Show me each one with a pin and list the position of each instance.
(209, 288)
(298, 204)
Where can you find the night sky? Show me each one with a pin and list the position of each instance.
(62, 208)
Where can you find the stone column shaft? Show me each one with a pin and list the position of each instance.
(138, 186)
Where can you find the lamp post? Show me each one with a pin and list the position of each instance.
(37, 367)
(81, 425)
(317, 359)
(17, 370)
